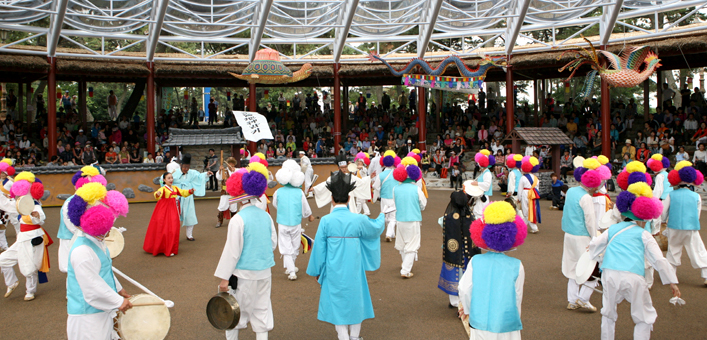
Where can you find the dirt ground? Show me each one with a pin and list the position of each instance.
(405, 309)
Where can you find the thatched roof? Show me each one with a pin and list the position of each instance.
(101, 67)
(27, 63)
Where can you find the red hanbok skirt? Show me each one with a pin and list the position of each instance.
(163, 232)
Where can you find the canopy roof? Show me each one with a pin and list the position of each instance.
(333, 30)
(539, 136)
(190, 137)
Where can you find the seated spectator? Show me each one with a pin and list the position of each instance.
(455, 176)
(149, 158)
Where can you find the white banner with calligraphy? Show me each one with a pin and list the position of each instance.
(254, 125)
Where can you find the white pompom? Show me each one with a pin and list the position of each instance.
(283, 176)
(291, 165)
(297, 179)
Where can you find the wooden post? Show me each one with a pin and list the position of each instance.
(659, 92)
(337, 108)
(422, 118)
(510, 105)
(51, 106)
(605, 119)
(83, 111)
(252, 107)
(556, 155)
(150, 114)
(646, 97)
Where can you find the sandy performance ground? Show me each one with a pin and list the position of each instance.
(405, 309)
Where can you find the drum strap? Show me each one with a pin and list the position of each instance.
(617, 234)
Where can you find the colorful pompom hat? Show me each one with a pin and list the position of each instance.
(530, 164)
(88, 174)
(592, 173)
(500, 229)
(247, 183)
(484, 158)
(363, 157)
(27, 184)
(514, 161)
(389, 159)
(657, 162)
(94, 209)
(6, 167)
(637, 201)
(633, 173)
(290, 173)
(684, 173)
(407, 169)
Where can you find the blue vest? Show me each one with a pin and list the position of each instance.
(626, 252)
(494, 306)
(667, 187)
(407, 203)
(76, 304)
(682, 214)
(517, 178)
(573, 216)
(489, 192)
(289, 206)
(387, 185)
(64, 233)
(257, 246)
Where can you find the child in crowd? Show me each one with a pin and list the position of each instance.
(556, 190)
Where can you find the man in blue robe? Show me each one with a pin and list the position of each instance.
(185, 178)
(335, 261)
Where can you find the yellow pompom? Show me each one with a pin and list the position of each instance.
(680, 165)
(641, 189)
(7, 160)
(408, 161)
(533, 161)
(603, 159)
(92, 192)
(635, 166)
(517, 157)
(26, 175)
(499, 212)
(389, 153)
(658, 157)
(591, 163)
(485, 152)
(258, 167)
(89, 171)
(416, 151)
(260, 155)
(367, 155)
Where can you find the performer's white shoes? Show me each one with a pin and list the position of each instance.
(586, 305)
(292, 277)
(29, 297)
(218, 225)
(310, 195)
(287, 272)
(705, 282)
(572, 306)
(11, 289)
(407, 276)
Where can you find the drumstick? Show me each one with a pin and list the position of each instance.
(167, 303)
(144, 304)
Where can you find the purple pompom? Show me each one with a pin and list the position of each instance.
(254, 183)
(536, 168)
(624, 201)
(414, 172)
(578, 172)
(636, 177)
(76, 209)
(36, 180)
(388, 161)
(666, 162)
(76, 178)
(687, 174)
(608, 165)
(500, 237)
(492, 160)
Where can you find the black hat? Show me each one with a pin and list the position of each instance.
(341, 160)
(186, 158)
(340, 186)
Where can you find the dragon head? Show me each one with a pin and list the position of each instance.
(373, 56)
(652, 60)
(499, 61)
(307, 68)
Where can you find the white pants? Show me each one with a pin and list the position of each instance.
(64, 249)
(388, 204)
(480, 206)
(581, 292)
(691, 240)
(525, 206)
(3, 240)
(407, 243)
(620, 286)
(253, 296)
(27, 257)
(361, 205)
(190, 231)
(348, 332)
(97, 326)
(454, 300)
(113, 112)
(288, 243)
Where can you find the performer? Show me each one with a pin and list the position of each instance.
(292, 206)
(362, 161)
(187, 179)
(513, 162)
(625, 248)
(29, 251)
(248, 253)
(601, 199)
(306, 166)
(457, 246)
(225, 208)
(528, 192)
(385, 183)
(87, 174)
(659, 165)
(485, 160)
(491, 289)
(6, 171)
(374, 169)
(262, 201)
(162, 235)
(579, 225)
(681, 209)
(93, 292)
(409, 203)
(345, 247)
(362, 187)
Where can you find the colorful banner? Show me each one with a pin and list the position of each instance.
(454, 84)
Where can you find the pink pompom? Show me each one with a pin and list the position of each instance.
(20, 188)
(255, 159)
(525, 159)
(37, 190)
(399, 174)
(81, 181)
(476, 230)
(397, 160)
(646, 208)
(117, 202)
(522, 232)
(591, 179)
(478, 157)
(411, 154)
(483, 162)
(604, 172)
(97, 220)
(99, 179)
(649, 179)
(700, 178)
(654, 164)
(3, 166)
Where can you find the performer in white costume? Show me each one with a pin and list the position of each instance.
(93, 292)
(224, 205)
(625, 247)
(681, 209)
(485, 160)
(306, 166)
(292, 206)
(361, 160)
(410, 201)
(602, 201)
(514, 162)
(384, 183)
(29, 251)
(491, 289)
(322, 195)
(248, 254)
(529, 197)
(6, 171)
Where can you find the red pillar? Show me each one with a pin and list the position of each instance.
(252, 104)
(150, 115)
(337, 108)
(510, 120)
(51, 109)
(422, 118)
(605, 117)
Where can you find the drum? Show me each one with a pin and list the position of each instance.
(662, 239)
(578, 161)
(472, 190)
(148, 320)
(114, 242)
(24, 205)
(352, 167)
(223, 311)
(586, 268)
